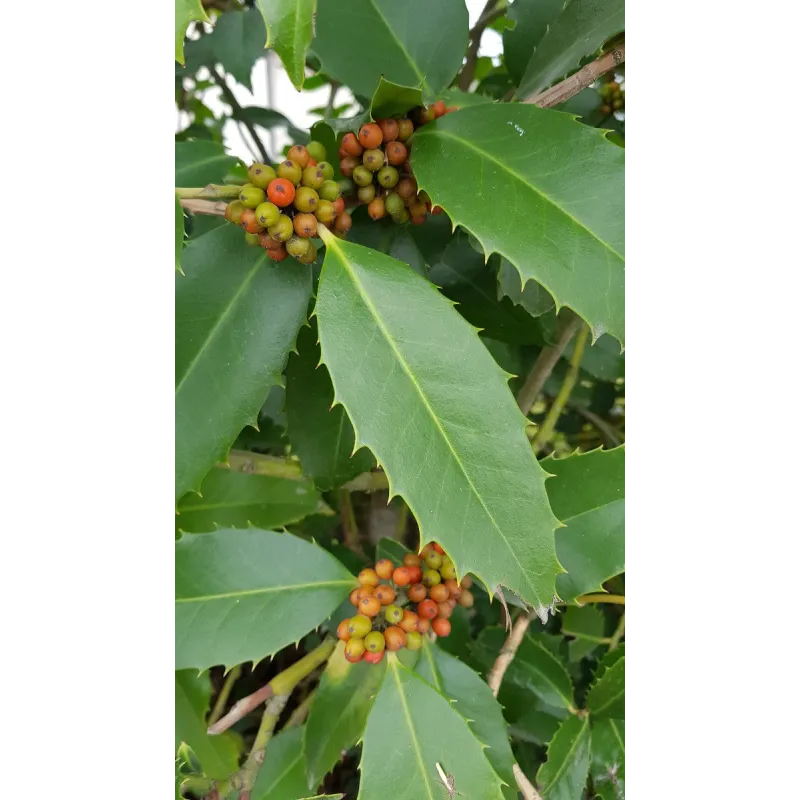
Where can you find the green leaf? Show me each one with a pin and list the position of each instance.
(410, 729)
(238, 41)
(339, 712)
(602, 360)
(532, 18)
(608, 756)
(563, 776)
(237, 315)
(391, 99)
(392, 549)
(465, 469)
(459, 99)
(607, 697)
(587, 494)
(533, 297)
(321, 434)
(218, 755)
(185, 12)
(515, 176)
(180, 234)
(535, 726)
(283, 773)
(243, 595)
(580, 29)
(413, 43)
(534, 667)
(290, 29)
(387, 237)
(587, 624)
(474, 700)
(230, 499)
(200, 163)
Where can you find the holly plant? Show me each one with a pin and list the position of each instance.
(399, 455)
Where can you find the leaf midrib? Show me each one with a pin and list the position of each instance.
(423, 81)
(613, 697)
(566, 759)
(268, 502)
(265, 590)
(567, 520)
(543, 195)
(532, 667)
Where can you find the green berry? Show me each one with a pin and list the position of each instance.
(362, 176)
(291, 171)
(260, 175)
(282, 230)
(233, 213)
(267, 214)
(430, 577)
(325, 211)
(298, 247)
(310, 256)
(359, 626)
(447, 571)
(317, 151)
(433, 560)
(252, 196)
(346, 186)
(393, 614)
(394, 203)
(327, 169)
(366, 194)
(374, 642)
(313, 177)
(306, 199)
(401, 216)
(388, 177)
(413, 640)
(251, 238)
(373, 159)
(330, 191)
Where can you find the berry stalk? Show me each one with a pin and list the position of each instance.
(213, 191)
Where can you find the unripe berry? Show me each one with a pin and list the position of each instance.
(452, 587)
(267, 214)
(368, 577)
(362, 176)
(354, 650)
(393, 614)
(428, 547)
(251, 238)
(351, 146)
(406, 187)
(281, 230)
(447, 570)
(409, 559)
(395, 637)
(251, 196)
(343, 223)
(396, 153)
(313, 177)
(348, 164)
(369, 606)
(343, 632)
(466, 598)
(311, 254)
(431, 577)
(366, 194)
(374, 642)
(400, 576)
(417, 593)
(384, 569)
(317, 151)
(466, 582)
(423, 625)
(374, 658)
(278, 253)
(370, 136)
(427, 609)
(385, 595)
(409, 621)
(338, 206)
(432, 560)
(249, 221)
(439, 108)
(388, 177)
(305, 225)
(261, 175)
(330, 191)
(605, 108)
(377, 208)
(325, 212)
(617, 104)
(441, 626)
(359, 626)
(299, 155)
(290, 171)
(373, 160)
(389, 129)
(445, 610)
(439, 593)
(326, 169)
(405, 127)
(413, 640)
(298, 247)
(401, 216)
(233, 212)
(306, 199)
(281, 192)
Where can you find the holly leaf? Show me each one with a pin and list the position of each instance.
(563, 776)
(185, 12)
(474, 700)
(237, 315)
(533, 297)
(580, 29)
(587, 494)
(602, 360)
(230, 499)
(290, 29)
(391, 549)
(587, 625)
(387, 237)
(532, 19)
(339, 712)
(238, 41)
(200, 163)
(608, 757)
(459, 99)
(218, 755)
(283, 774)
(410, 730)
(467, 473)
(414, 43)
(559, 223)
(606, 698)
(243, 595)
(180, 234)
(320, 433)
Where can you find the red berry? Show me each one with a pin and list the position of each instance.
(368, 577)
(370, 136)
(384, 569)
(338, 205)
(351, 146)
(466, 582)
(342, 632)
(451, 109)
(281, 192)
(437, 210)
(249, 221)
(441, 626)
(385, 595)
(354, 650)
(374, 658)
(439, 109)
(416, 572)
(409, 621)
(401, 576)
(278, 253)
(395, 637)
(438, 548)
(423, 625)
(427, 609)
(453, 587)
(439, 593)
(417, 593)
(389, 129)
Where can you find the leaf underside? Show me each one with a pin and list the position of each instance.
(563, 776)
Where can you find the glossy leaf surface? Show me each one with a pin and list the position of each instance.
(200, 163)
(238, 41)
(282, 775)
(290, 29)
(185, 12)
(607, 697)
(608, 757)
(563, 776)
(532, 18)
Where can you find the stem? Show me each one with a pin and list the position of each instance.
(238, 111)
(249, 771)
(214, 208)
(281, 684)
(259, 464)
(509, 650)
(618, 633)
(547, 428)
(524, 785)
(298, 716)
(599, 597)
(352, 539)
(468, 70)
(211, 192)
(224, 694)
(332, 97)
(608, 431)
(543, 366)
(402, 521)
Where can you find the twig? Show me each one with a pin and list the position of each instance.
(213, 191)
(332, 97)
(547, 427)
(524, 785)
(582, 79)
(259, 464)
(298, 716)
(224, 694)
(255, 758)
(281, 684)
(368, 482)
(211, 207)
(402, 521)
(238, 111)
(618, 633)
(543, 366)
(352, 538)
(509, 650)
(608, 431)
(468, 70)
(598, 597)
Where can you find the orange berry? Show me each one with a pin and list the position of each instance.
(411, 560)
(305, 225)
(385, 595)
(407, 187)
(467, 599)
(299, 155)
(354, 650)
(401, 576)
(249, 221)
(445, 610)
(453, 587)
(369, 606)
(311, 163)
(267, 242)
(427, 609)
(370, 136)
(452, 602)
(355, 596)
(281, 192)
(343, 153)
(438, 548)
(278, 253)
(343, 222)
(395, 637)
(423, 625)
(409, 621)
(342, 631)
(466, 582)
(439, 109)
(384, 568)
(338, 205)
(351, 146)
(368, 577)
(348, 164)
(441, 626)
(417, 593)
(396, 153)
(416, 574)
(377, 208)
(439, 593)
(389, 129)
(374, 658)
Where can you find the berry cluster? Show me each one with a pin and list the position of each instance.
(614, 96)
(377, 160)
(425, 582)
(281, 206)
